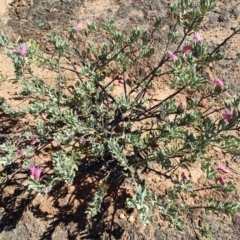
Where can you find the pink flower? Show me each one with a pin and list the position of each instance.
(23, 50)
(223, 169)
(227, 115)
(172, 56)
(147, 90)
(219, 83)
(167, 119)
(33, 141)
(78, 27)
(197, 37)
(32, 170)
(67, 35)
(221, 180)
(121, 81)
(19, 152)
(184, 177)
(35, 172)
(187, 48)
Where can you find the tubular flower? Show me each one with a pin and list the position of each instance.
(32, 170)
(23, 50)
(197, 37)
(19, 152)
(221, 180)
(35, 172)
(187, 48)
(33, 141)
(172, 56)
(121, 81)
(223, 169)
(219, 83)
(147, 90)
(78, 27)
(184, 177)
(227, 115)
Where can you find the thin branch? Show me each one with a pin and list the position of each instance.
(224, 42)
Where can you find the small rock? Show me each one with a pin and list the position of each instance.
(122, 216)
(213, 17)
(131, 219)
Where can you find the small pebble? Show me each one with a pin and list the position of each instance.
(131, 219)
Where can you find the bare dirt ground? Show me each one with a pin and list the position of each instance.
(61, 214)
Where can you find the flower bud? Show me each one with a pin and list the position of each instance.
(219, 83)
(197, 37)
(187, 48)
(121, 81)
(223, 169)
(172, 56)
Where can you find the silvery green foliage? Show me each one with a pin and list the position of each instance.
(4, 39)
(8, 150)
(65, 165)
(95, 206)
(142, 202)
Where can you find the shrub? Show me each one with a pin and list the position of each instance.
(106, 118)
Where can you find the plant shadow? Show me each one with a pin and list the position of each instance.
(70, 203)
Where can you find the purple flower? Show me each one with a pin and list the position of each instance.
(227, 115)
(19, 152)
(23, 50)
(184, 177)
(121, 81)
(187, 48)
(219, 83)
(223, 169)
(172, 56)
(35, 172)
(197, 37)
(221, 180)
(78, 27)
